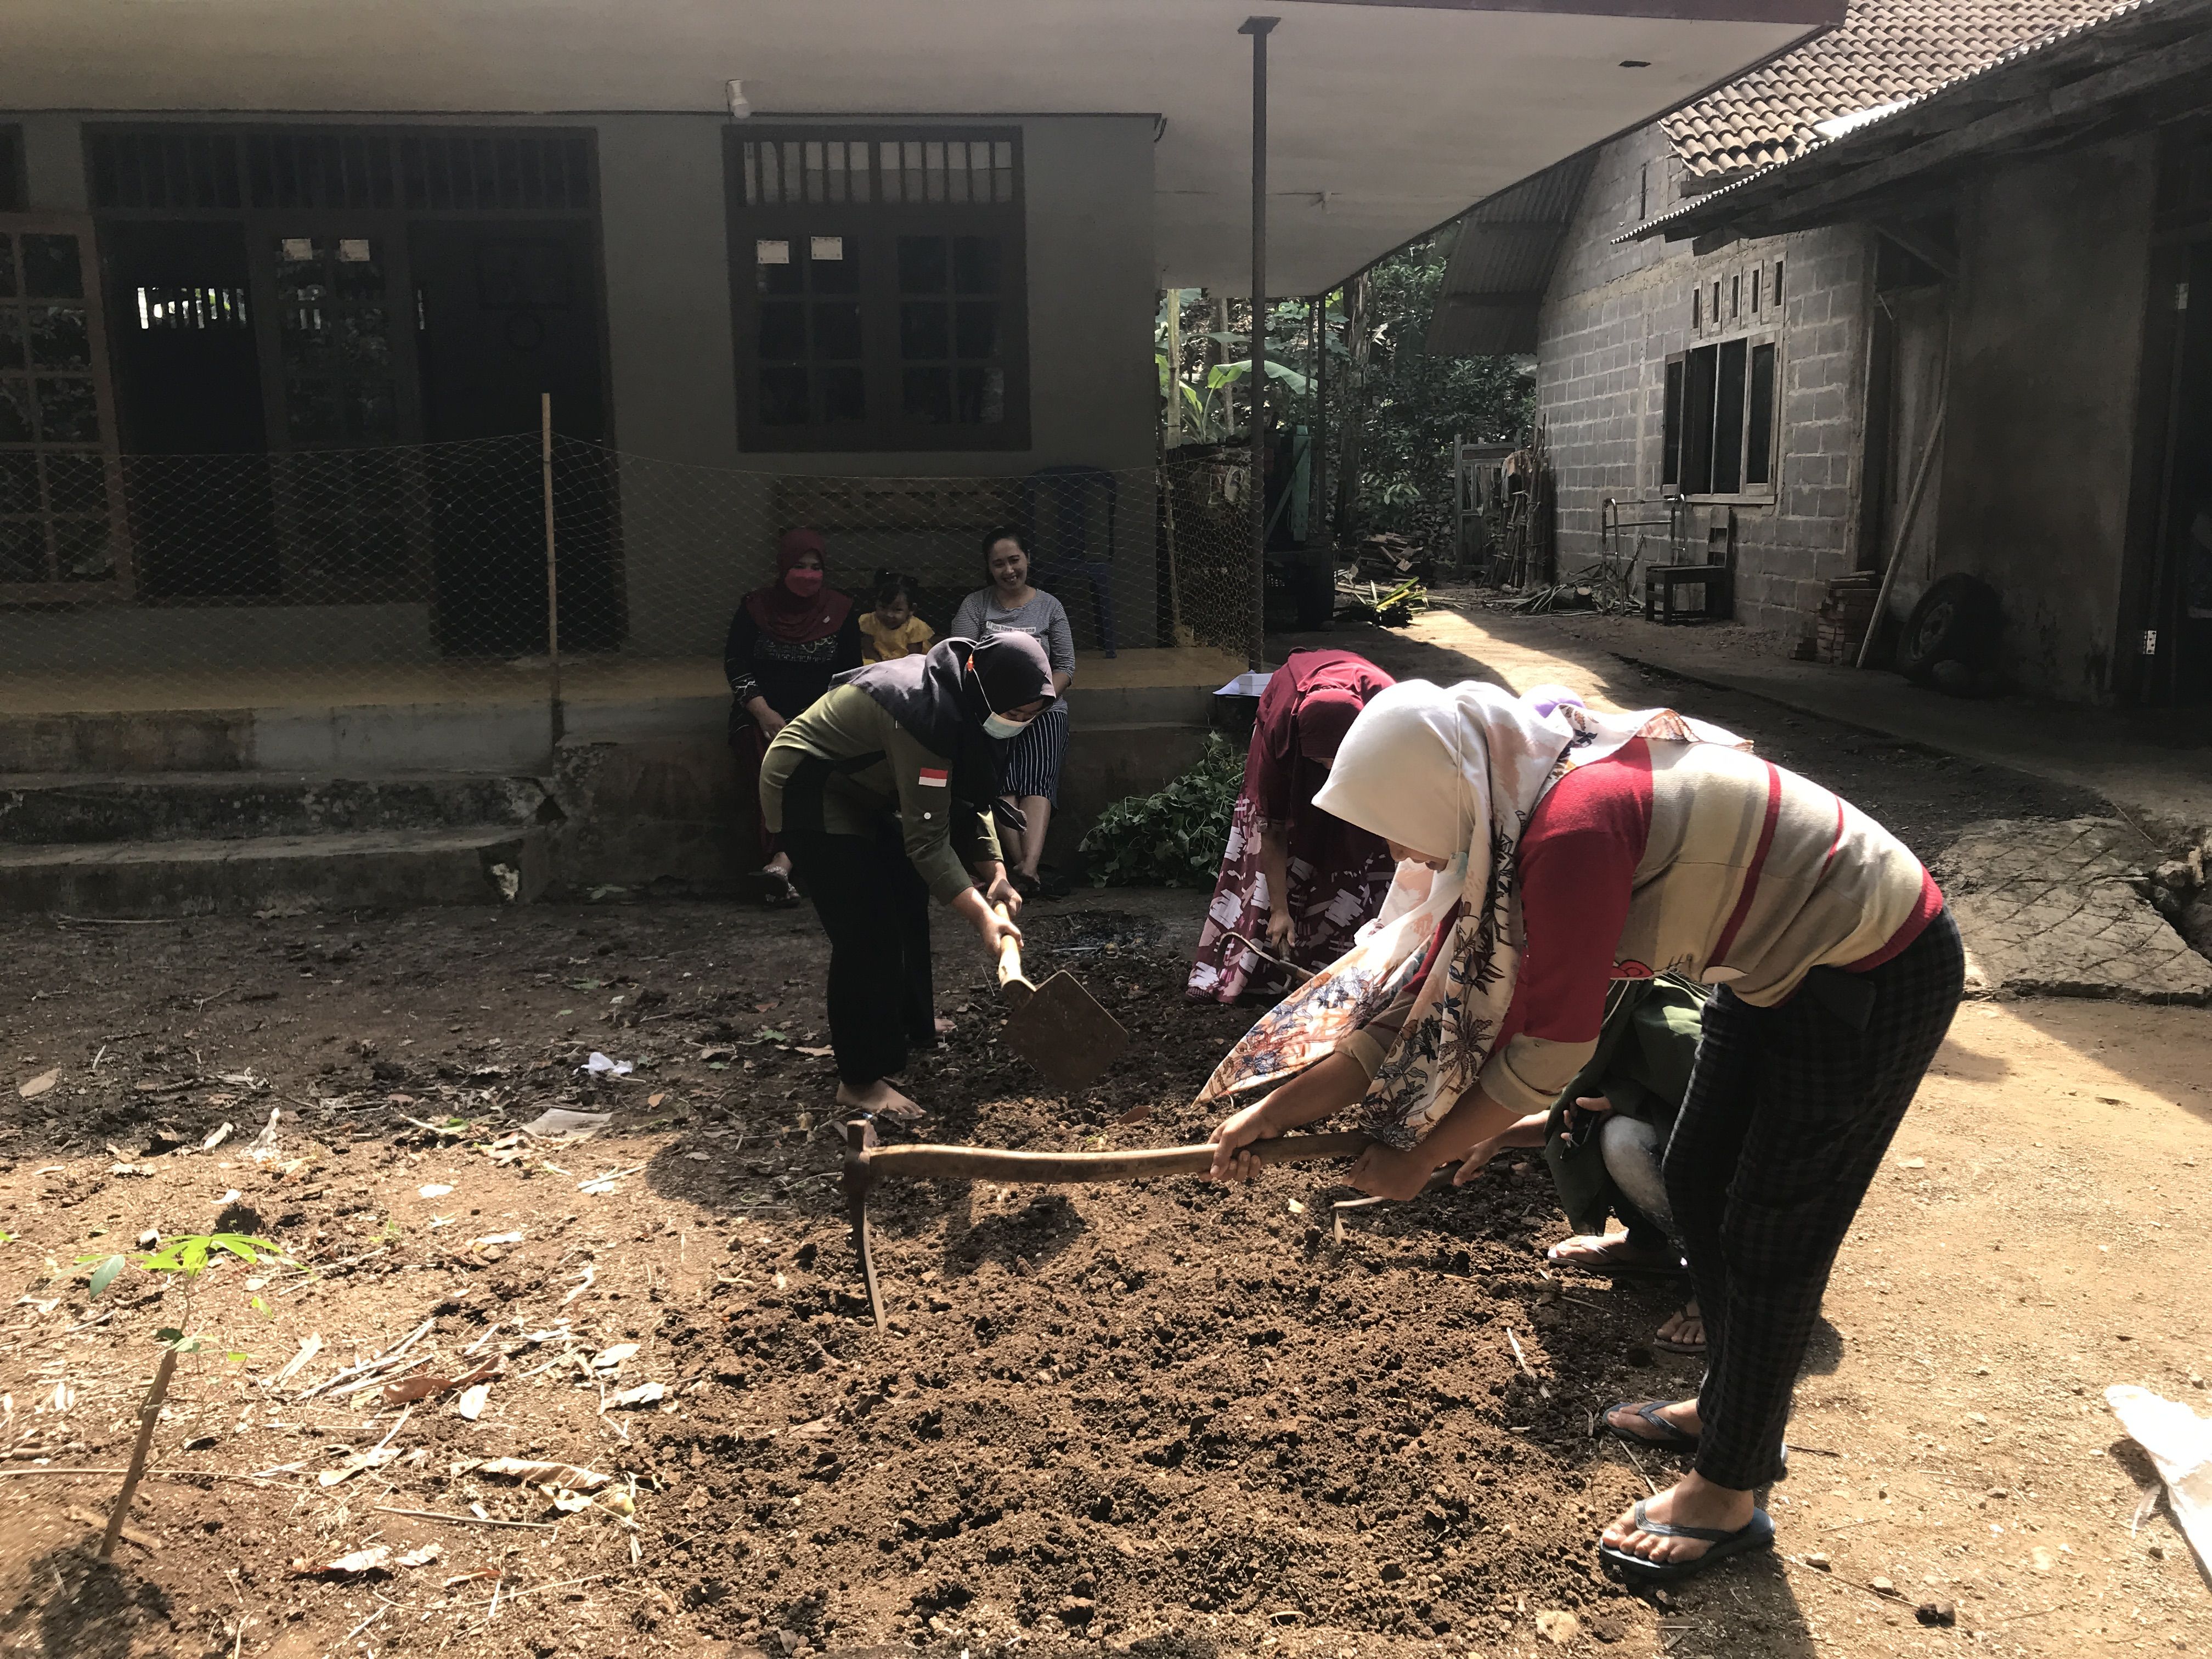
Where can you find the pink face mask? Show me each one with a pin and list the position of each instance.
(804, 583)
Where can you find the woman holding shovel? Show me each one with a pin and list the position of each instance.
(884, 791)
(1571, 850)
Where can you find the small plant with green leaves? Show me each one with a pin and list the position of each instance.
(186, 1258)
(1175, 838)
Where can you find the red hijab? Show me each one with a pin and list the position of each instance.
(798, 618)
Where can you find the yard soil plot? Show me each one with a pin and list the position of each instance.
(1164, 1417)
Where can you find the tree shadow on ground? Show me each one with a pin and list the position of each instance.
(92, 1612)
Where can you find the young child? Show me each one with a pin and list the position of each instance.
(891, 631)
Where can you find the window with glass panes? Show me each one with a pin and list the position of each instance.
(1720, 434)
(58, 503)
(877, 286)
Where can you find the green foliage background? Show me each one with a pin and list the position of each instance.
(1175, 838)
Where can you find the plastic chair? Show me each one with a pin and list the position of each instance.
(1057, 504)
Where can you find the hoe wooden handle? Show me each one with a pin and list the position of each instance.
(995, 1164)
(1010, 957)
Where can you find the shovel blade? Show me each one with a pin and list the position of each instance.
(1066, 1033)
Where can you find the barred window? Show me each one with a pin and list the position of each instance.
(877, 289)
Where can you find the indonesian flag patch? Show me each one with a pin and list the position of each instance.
(937, 776)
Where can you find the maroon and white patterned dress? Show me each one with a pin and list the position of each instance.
(1337, 874)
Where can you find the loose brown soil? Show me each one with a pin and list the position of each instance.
(1164, 1419)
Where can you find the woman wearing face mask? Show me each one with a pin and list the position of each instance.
(1010, 605)
(1568, 850)
(1295, 882)
(785, 642)
(884, 792)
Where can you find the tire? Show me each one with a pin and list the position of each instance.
(1956, 621)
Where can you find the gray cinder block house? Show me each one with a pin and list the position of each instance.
(1949, 245)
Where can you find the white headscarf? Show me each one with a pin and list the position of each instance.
(1451, 772)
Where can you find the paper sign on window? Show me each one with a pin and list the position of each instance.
(827, 247)
(298, 247)
(353, 250)
(772, 253)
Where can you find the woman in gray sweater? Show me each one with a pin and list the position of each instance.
(1031, 762)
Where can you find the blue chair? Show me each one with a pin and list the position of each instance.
(1058, 505)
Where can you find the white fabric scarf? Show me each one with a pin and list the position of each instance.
(1449, 771)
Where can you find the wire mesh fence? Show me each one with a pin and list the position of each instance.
(436, 557)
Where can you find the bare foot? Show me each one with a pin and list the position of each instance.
(1684, 1332)
(1693, 1501)
(1608, 1252)
(879, 1097)
(1682, 1416)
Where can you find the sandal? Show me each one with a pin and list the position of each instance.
(1757, 1534)
(1675, 1345)
(773, 888)
(1667, 1434)
(1608, 1270)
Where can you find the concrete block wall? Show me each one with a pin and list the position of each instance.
(1612, 316)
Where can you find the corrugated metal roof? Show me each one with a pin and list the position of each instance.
(1502, 263)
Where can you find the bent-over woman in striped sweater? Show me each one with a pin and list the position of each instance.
(1552, 853)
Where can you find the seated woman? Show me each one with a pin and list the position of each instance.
(784, 642)
(1604, 1137)
(1030, 763)
(884, 792)
(891, 631)
(1296, 881)
(1580, 848)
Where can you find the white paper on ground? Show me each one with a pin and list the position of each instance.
(2179, 1443)
(564, 1120)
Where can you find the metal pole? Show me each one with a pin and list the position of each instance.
(552, 571)
(1256, 381)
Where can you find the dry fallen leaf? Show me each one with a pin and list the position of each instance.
(523, 1468)
(610, 1357)
(421, 1558)
(655, 1100)
(646, 1394)
(375, 1559)
(38, 1084)
(815, 1053)
(471, 1403)
(356, 1463)
(435, 1189)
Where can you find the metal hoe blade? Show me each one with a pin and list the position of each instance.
(1065, 1032)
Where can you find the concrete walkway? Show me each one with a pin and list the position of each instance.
(2154, 765)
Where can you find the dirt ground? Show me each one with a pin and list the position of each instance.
(1163, 1418)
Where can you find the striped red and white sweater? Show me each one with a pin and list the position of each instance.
(1693, 858)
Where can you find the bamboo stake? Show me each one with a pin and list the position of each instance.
(149, 1414)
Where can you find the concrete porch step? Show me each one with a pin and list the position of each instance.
(345, 870)
(79, 808)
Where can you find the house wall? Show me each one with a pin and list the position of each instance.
(1612, 316)
(2038, 446)
(694, 540)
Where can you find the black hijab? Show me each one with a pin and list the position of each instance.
(942, 695)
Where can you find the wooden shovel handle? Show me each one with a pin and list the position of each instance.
(996, 1163)
(1010, 954)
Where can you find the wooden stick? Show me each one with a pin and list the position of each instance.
(149, 1414)
(998, 1164)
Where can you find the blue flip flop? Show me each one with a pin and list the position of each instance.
(1757, 1534)
(1667, 1435)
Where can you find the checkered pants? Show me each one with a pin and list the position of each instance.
(1789, 1112)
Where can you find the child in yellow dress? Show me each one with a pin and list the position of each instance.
(891, 631)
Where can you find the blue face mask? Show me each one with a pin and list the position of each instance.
(999, 726)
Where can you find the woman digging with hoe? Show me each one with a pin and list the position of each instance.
(884, 792)
(1564, 849)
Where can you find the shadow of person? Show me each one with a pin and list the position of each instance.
(1825, 1352)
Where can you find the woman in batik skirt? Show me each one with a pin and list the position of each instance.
(1295, 882)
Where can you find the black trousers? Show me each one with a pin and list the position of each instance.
(874, 905)
(1789, 1112)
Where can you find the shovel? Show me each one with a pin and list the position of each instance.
(1058, 1027)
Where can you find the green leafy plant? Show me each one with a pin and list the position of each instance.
(187, 1258)
(1175, 838)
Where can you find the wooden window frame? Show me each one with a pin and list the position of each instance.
(1710, 392)
(118, 586)
(14, 171)
(872, 228)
